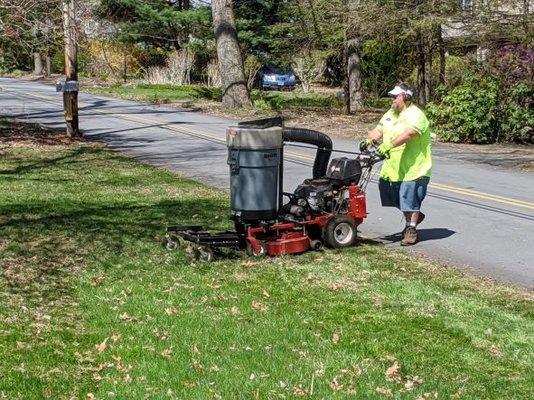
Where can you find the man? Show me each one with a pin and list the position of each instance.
(406, 144)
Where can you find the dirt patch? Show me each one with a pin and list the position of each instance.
(14, 133)
(506, 155)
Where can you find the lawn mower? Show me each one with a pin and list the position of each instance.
(325, 209)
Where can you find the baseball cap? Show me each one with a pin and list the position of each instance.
(398, 90)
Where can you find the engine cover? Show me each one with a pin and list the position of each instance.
(344, 170)
(317, 192)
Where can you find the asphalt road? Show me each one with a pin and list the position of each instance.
(479, 217)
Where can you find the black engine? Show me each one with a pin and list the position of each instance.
(327, 194)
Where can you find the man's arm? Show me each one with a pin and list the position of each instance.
(375, 134)
(404, 137)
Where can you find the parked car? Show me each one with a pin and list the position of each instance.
(277, 79)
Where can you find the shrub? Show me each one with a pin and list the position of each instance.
(469, 113)
(517, 115)
(177, 70)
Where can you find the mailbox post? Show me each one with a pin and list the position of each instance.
(70, 92)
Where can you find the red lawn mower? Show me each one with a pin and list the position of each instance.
(325, 209)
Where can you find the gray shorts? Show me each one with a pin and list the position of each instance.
(407, 196)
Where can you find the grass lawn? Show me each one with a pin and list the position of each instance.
(263, 100)
(92, 307)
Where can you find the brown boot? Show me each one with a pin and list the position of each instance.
(410, 237)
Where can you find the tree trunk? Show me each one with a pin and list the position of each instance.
(421, 70)
(345, 77)
(234, 85)
(37, 63)
(354, 74)
(70, 98)
(48, 65)
(442, 60)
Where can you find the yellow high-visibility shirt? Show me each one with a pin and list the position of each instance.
(412, 159)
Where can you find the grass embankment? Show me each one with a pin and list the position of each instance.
(263, 100)
(93, 307)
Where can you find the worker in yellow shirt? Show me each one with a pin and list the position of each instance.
(406, 144)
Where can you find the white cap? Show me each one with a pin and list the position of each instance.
(398, 90)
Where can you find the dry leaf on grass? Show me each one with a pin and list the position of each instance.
(167, 353)
(170, 311)
(115, 337)
(127, 318)
(393, 373)
(265, 294)
(428, 395)
(234, 310)
(335, 338)
(102, 346)
(384, 392)
(197, 364)
(256, 305)
(299, 392)
(334, 385)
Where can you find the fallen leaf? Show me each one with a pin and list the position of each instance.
(102, 346)
(256, 305)
(252, 377)
(197, 364)
(126, 317)
(376, 297)
(391, 358)
(170, 311)
(428, 395)
(384, 392)
(409, 384)
(335, 338)
(392, 373)
(334, 385)
(167, 353)
(169, 392)
(265, 294)
(90, 396)
(299, 392)
(234, 310)
(97, 377)
(195, 350)
(128, 378)
(115, 337)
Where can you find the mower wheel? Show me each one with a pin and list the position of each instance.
(253, 253)
(171, 242)
(316, 244)
(205, 254)
(340, 231)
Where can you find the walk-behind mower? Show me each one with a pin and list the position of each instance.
(325, 209)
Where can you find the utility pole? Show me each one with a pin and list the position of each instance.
(70, 96)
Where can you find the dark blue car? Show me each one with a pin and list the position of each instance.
(275, 79)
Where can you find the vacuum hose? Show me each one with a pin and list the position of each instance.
(322, 141)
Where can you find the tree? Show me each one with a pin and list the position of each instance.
(166, 24)
(27, 29)
(235, 91)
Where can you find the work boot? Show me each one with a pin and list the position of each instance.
(410, 237)
(420, 218)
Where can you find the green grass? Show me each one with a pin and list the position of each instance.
(263, 100)
(159, 93)
(92, 304)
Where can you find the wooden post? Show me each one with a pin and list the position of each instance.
(70, 98)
